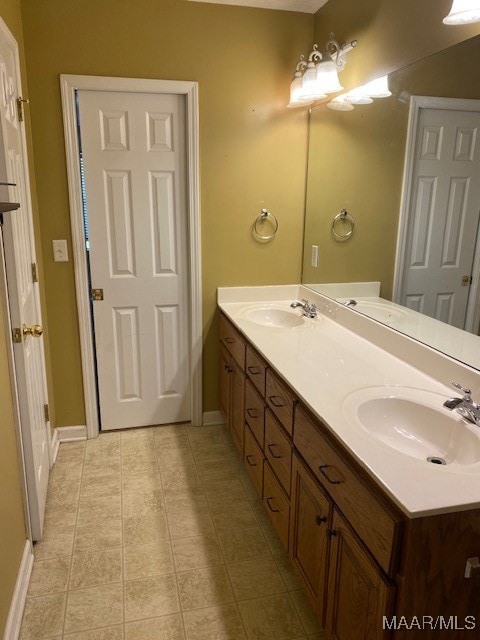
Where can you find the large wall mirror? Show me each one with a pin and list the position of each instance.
(357, 162)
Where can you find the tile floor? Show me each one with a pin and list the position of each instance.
(157, 534)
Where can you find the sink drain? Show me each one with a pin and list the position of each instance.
(435, 460)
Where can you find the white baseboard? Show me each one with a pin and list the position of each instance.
(54, 444)
(15, 614)
(211, 418)
(71, 434)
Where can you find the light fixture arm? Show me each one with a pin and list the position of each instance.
(315, 55)
(301, 65)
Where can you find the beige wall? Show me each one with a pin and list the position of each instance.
(252, 149)
(12, 523)
(356, 158)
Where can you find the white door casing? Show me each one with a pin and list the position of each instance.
(133, 148)
(439, 218)
(69, 87)
(23, 292)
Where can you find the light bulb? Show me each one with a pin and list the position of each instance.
(463, 12)
(339, 104)
(357, 96)
(377, 88)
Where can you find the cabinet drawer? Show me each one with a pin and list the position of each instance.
(278, 451)
(253, 458)
(280, 400)
(254, 412)
(276, 504)
(233, 340)
(256, 369)
(372, 520)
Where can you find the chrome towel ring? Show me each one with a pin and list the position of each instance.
(266, 225)
(343, 225)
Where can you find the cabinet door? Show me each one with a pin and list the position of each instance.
(358, 593)
(224, 382)
(311, 514)
(237, 405)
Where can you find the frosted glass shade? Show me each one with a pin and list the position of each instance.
(463, 12)
(310, 87)
(377, 88)
(327, 77)
(339, 104)
(296, 99)
(358, 96)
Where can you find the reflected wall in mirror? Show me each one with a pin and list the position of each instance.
(356, 162)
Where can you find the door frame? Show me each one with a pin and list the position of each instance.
(69, 84)
(472, 318)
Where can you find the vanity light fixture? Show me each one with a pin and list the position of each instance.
(377, 88)
(358, 96)
(339, 103)
(319, 74)
(463, 12)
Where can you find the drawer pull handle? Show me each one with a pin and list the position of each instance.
(322, 468)
(270, 506)
(228, 368)
(229, 340)
(275, 402)
(255, 371)
(248, 460)
(252, 413)
(270, 449)
(332, 533)
(319, 520)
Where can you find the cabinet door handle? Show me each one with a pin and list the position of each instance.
(247, 458)
(275, 402)
(270, 506)
(228, 368)
(252, 413)
(229, 340)
(319, 520)
(322, 468)
(270, 449)
(255, 371)
(331, 533)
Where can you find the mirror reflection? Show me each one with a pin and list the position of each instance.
(414, 193)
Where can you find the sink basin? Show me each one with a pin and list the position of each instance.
(271, 316)
(415, 423)
(382, 312)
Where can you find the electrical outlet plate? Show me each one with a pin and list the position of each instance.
(314, 255)
(60, 250)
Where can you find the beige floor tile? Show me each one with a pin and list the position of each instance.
(139, 482)
(55, 543)
(164, 628)
(260, 512)
(144, 432)
(221, 622)
(94, 607)
(71, 452)
(183, 524)
(65, 491)
(94, 509)
(107, 444)
(318, 636)
(205, 435)
(143, 504)
(236, 515)
(273, 541)
(43, 617)
(101, 466)
(138, 446)
(107, 633)
(196, 552)
(61, 515)
(103, 534)
(173, 455)
(213, 473)
(180, 478)
(271, 618)
(185, 499)
(249, 487)
(204, 587)
(94, 568)
(98, 486)
(148, 560)
(255, 578)
(226, 493)
(145, 530)
(49, 576)
(304, 610)
(72, 470)
(173, 433)
(151, 597)
(139, 464)
(243, 545)
(288, 573)
(210, 452)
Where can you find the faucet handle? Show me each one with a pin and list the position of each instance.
(466, 392)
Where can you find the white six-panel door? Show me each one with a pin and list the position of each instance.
(134, 154)
(23, 294)
(444, 205)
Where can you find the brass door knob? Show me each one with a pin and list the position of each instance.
(35, 330)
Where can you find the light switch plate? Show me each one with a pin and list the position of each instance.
(314, 255)
(60, 250)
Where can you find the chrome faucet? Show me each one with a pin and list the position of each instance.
(465, 406)
(309, 310)
(351, 303)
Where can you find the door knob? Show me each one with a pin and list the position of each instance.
(35, 330)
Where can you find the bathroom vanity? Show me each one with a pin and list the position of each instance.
(382, 539)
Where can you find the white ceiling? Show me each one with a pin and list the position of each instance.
(304, 6)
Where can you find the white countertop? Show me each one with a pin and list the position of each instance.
(324, 363)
